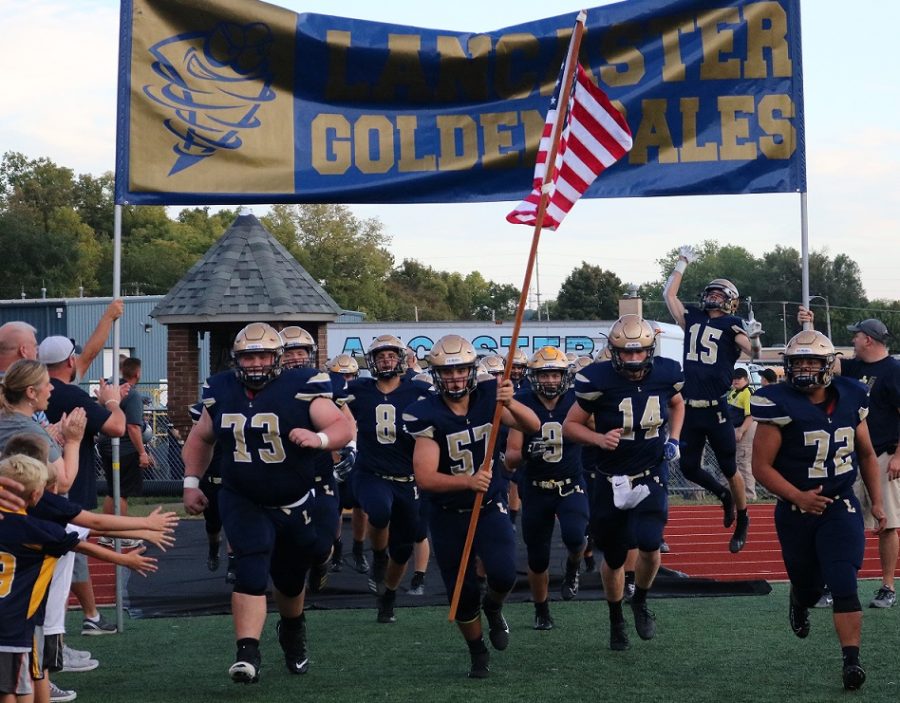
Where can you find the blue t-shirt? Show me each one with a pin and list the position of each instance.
(883, 381)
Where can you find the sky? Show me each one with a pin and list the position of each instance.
(852, 136)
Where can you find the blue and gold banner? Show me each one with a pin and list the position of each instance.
(238, 101)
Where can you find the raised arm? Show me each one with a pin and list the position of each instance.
(95, 343)
(686, 255)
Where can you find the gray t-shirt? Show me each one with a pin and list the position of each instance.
(15, 423)
(133, 407)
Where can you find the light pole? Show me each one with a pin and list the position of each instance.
(827, 312)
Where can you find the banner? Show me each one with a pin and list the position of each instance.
(238, 101)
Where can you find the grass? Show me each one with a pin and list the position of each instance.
(706, 649)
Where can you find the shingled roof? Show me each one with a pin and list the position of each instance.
(247, 275)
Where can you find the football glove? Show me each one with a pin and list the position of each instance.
(688, 253)
(345, 465)
(671, 450)
(752, 328)
(537, 448)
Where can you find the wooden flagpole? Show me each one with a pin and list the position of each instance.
(562, 110)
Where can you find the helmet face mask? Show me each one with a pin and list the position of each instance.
(385, 365)
(519, 365)
(632, 342)
(345, 365)
(548, 372)
(299, 348)
(720, 294)
(454, 366)
(257, 353)
(809, 361)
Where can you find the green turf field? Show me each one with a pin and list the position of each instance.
(725, 650)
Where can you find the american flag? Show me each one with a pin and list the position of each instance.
(594, 136)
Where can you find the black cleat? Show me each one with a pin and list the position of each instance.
(480, 668)
(739, 539)
(543, 621)
(664, 547)
(360, 563)
(569, 588)
(246, 666)
(618, 639)
(293, 644)
(386, 607)
(498, 629)
(644, 621)
(212, 562)
(798, 617)
(854, 676)
(728, 509)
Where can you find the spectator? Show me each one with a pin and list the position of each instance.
(767, 377)
(61, 355)
(133, 456)
(744, 427)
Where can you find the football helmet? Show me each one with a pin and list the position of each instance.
(519, 364)
(544, 360)
(294, 337)
(386, 342)
(449, 352)
(809, 344)
(345, 365)
(728, 289)
(628, 334)
(582, 361)
(493, 365)
(255, 338)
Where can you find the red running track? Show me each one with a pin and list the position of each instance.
(698, 541)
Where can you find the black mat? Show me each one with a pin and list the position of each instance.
(183, 586)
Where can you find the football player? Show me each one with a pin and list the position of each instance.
(383, 480)
(635, 404)
(452, 431)
(519, 367)
(551, 483)
(811, 441)
(714, 338)
(272, 423)
(330, 467)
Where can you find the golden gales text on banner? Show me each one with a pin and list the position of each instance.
(238, 101)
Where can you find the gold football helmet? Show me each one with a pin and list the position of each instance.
(809, 344)
(255, 338)
(386, 342)
(728, 289)
(544, 360)
(493, 365)
(294, 337)
(519, 364)
(582, 361)
(631, 333)
(449, 352)
(345, 365)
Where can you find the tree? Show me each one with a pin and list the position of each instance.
(589, 293)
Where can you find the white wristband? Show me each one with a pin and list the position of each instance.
(323, 438)
(191, 482)
(681, 265)
(351, 444)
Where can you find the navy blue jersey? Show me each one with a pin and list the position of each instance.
(383, 447)
(883, 380)
(259, 461)
(29, 548)
(710, 351)
(562, 458)
(462, 439)
(640, 408)
(817, 448)
(55, 508)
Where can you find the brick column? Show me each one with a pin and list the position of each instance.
(183, 362)
(322, 340)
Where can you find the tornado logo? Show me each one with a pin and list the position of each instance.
(213, 84)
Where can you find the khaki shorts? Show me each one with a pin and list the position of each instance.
(890, 495)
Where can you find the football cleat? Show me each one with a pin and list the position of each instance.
(798, 616)
(569, 587)
(664, 547)
(739, 538)
(293, 644)
(618, 638)
(826, 600)
(543, 620)
(854, 676)
(376, 575)
(480, 668)
(884, 598)
(498, 629)
(386, 607)
(417, 584)
(246, 667)
(360, 562)
(644, 621)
